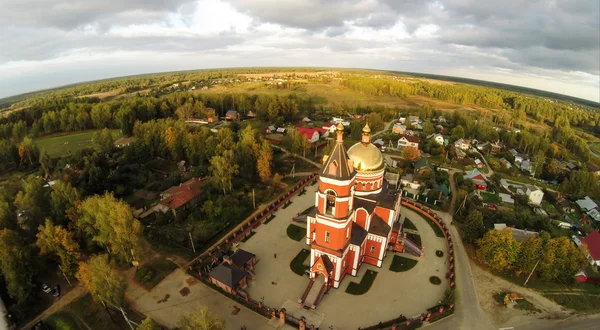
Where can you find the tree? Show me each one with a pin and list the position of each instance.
(62, 198)
(28, 152)
(473, 227)
(458, 132)
(56, 240)
(222, 169)
(264, 161)
(103, 141)
(428, 128)
(498, 249)
(108, 222)
(31, 201)
(410, 153)
(149, 324)
(201, 319)
(7, 215)
(561, 260)
(355, 130)
(102, 281)
(375, 122)
(15, 265)
(581, 183)
(530, 252)
(46, 163)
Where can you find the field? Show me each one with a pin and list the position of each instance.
(65, 144)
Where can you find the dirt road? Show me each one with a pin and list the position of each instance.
(77, 292)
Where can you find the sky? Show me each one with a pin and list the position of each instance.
(551, 45)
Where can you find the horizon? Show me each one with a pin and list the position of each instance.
(551, 46)
(415, 74)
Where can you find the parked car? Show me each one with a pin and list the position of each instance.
(56, 291)
(46, 288)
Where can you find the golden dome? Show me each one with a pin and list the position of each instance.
(366, 157)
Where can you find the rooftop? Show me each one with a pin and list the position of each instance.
(592, 243)
(228, 275)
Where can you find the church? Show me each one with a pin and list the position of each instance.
(357, 219)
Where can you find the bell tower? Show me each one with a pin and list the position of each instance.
(366, 134)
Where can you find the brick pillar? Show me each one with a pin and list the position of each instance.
(428, 316)
(394, 327)
(302, 324)
(282, 316)
(441, 309)
(452, 306)
(407, 323)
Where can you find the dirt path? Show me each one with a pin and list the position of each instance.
(488, 285)
(77, 292)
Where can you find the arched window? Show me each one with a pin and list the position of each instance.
(330, 202)
(363, 186)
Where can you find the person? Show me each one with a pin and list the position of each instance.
(275, 255)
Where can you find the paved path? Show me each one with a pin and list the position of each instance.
(298, 156)
(76, 292)
(180, 294)
(468, 315)
(490, 171)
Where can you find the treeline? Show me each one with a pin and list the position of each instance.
(535, 107)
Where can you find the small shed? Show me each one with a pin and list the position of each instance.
(232, 115)
(228, 277)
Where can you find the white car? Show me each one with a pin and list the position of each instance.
(46, 288)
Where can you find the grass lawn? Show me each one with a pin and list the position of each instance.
(295, 232)
(61, 145)
(96, 317)
(595, 147)
(402, 264)
(297, 264)
(549, 208)
(62, 320)
(525, 305)
(159, 269)
(436, 229)
(364, 285)
(414, 237)
(409, 224)
(490, 198)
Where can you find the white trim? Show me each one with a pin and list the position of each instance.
(338, 269)
(336, 182)
(364, 193)
(324, 194)
(337, 225)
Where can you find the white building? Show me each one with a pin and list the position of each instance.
(439, 138)
(534, 193)
(462, 144)
(408, 141)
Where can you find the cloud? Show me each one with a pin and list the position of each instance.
(503, 40)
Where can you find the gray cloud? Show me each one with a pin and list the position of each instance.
(68, 15)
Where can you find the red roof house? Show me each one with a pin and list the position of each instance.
(592, 244)
(478, 179)
(311, 134)
(180, 197)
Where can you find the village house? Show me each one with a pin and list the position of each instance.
(496, 147)
(409, 181)
(518, 234)
(251, 114)
(179, 198)
(329, 126)
(408, 141)
(478, 179)
(212, 119)
(271, 129)
(398, 128)
(233, 273)
(526, 166)
(586, 204)
(311, 134)
(422, 165)
(534, 193)
(462, 144)
(459, 153)
(591, 243)
(232, 115)
(439, 138)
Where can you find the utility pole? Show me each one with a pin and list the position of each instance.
(66, 278)
(192, 241)
(253, 199)
(531, 273)
(126, 319)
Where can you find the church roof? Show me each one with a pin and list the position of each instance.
(327, 263)
(378, 226)
(341, 169)
(358, 234)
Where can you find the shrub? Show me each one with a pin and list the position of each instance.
(144, 274)
(435, 280)
(439, 253)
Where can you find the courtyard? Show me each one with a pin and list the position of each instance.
(392, 293)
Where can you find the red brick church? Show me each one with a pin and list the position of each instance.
(357, 217)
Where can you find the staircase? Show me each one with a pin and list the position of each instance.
(412, 247)
(314, 292)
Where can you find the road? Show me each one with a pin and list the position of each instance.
(490, 171)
